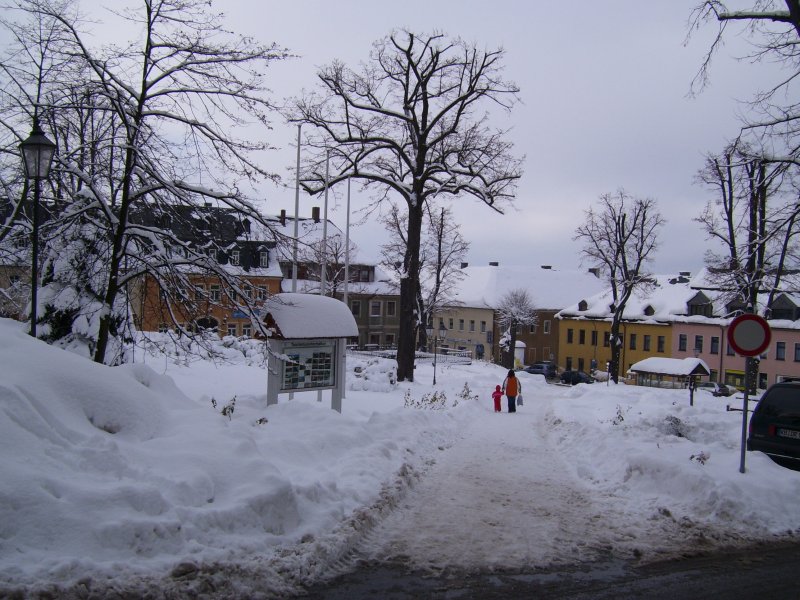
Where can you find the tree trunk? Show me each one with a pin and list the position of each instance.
(406, 344)
(616, 347)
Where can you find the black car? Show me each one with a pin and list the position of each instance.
(547, 369)
(716, 389)
(775, 424)
(573, 377)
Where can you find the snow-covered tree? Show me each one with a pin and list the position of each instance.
(620, 237)
(174, 105)
(515, 308)
(753, 218)
(772, 125)
(412, 123)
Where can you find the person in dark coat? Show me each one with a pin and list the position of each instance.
(512, 387)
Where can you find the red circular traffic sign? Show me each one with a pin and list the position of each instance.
(749, 335)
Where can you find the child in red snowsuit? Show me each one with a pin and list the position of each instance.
(497, 395)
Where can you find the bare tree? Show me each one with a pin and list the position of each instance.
(408, 123)
(443, 249)
(516, 308)
(752, 216)
(175, 99)
(773, 29)
(619, 238)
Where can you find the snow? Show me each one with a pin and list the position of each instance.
(302, 316)
(670, 366)
(126, 478)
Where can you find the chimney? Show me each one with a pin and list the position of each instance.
(494, 264)
(464, 265)
(283, 217)
(315, 213)
(547, 266)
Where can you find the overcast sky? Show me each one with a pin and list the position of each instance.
(605, 105)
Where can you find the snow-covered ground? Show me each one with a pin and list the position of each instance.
(128, 478)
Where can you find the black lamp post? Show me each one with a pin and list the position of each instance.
(37, 156)
(439, 334)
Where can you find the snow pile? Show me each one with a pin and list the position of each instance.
(120, 479)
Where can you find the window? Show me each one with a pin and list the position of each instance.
(606, 339)
(569, 363)
(199, 292)
(582, 336)
(632, 341)
(391, 308)
(232, 329)
(213, 291)
(594, 337)
(682, 342)
(472, 324)
(450, 323)
(797, 353)
(262, 292)
(247, 330)
(714, 344)
(570, 335)
(483, 326)
(730, 351)
(581, 364)
(390, 339)
(363, 275)
(14, 279)
(647, 343)
(533, 327)
(661, 344)
(375, 309)
(263, 258)
(461, 324)
(355, 308)
(211, 253)
(234, 257)
(163, 328)
(780, 351)
(698, 343)
(546, 327)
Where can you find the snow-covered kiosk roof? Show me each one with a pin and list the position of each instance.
(305, 316)
(680, 367)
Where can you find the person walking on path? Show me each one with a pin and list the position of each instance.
(497, 395)
(512, 387)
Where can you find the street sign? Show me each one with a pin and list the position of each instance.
(749, 335)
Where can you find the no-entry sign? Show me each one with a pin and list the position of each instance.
(749, 335)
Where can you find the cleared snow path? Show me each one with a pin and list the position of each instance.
(499, 498)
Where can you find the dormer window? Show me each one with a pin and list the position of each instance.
(612, 308)
(583, 305)
(263, 259)
(234, 257)
(649, 310)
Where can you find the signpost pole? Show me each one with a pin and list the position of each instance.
(747, 369)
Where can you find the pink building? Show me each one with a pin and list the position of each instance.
(709, 337)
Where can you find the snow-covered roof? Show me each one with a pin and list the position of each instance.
(304, 316)
(663, 301)
(549, 288)
(671, 366)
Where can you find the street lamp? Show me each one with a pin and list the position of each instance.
(439, 334)
(37, 156)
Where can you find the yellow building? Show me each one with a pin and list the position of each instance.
(584, 342)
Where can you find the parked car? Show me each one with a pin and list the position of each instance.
(717, 389)
(547, 369)
(573, 377)
(775, 424)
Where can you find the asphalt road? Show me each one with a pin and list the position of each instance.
(763, 572)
